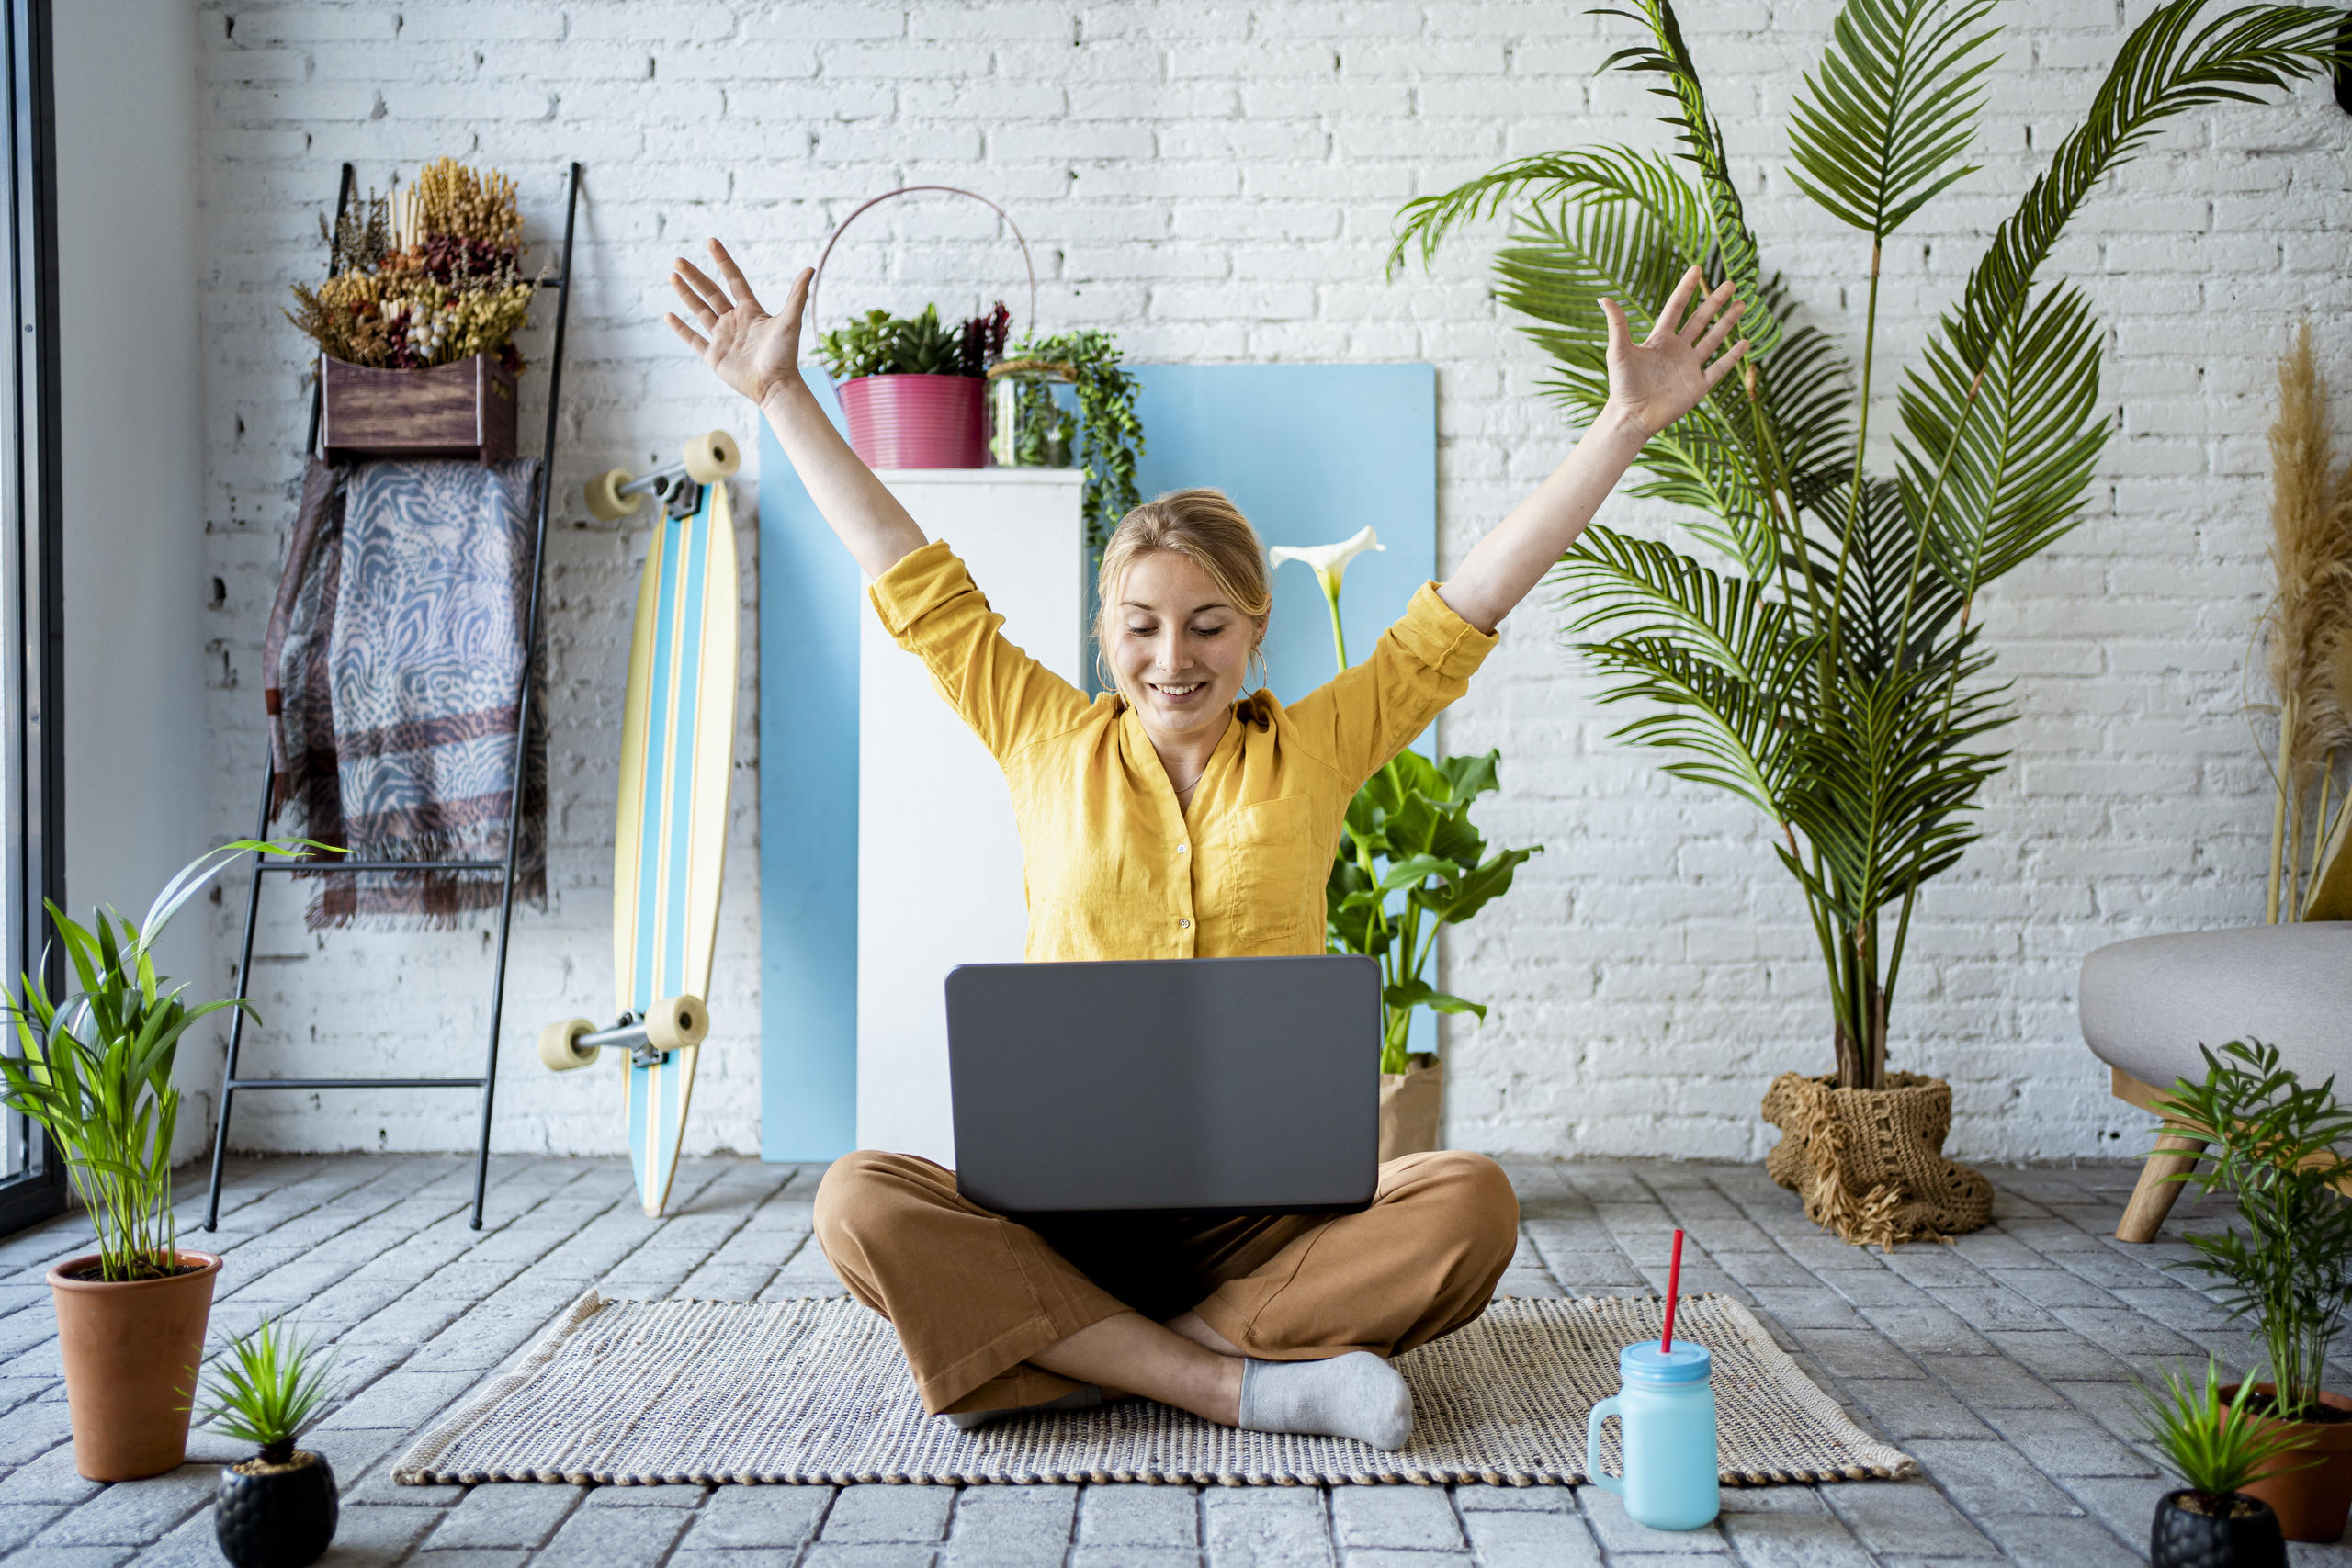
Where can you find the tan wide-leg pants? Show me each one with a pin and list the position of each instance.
(973, 1294)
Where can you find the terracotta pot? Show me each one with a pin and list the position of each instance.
(917, 422)
(130, 1349)
(1410, 1103)
(2311, 1503)
(2182, 1537)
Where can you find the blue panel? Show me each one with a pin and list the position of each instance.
(1310, 453)
(809, 599)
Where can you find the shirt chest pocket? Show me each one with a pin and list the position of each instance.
(1265, 869)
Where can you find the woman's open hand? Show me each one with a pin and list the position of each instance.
(1657, 380)
(750, 350)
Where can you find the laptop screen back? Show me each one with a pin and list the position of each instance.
(1196, 1084)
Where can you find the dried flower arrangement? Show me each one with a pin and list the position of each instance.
(2310, 629)
(428, 278)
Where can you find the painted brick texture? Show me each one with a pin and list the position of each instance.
(1219, 183)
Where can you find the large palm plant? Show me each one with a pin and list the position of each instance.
(1828, 668)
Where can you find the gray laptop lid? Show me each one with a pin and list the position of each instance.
(1234, 1083)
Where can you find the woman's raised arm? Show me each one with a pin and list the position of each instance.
(1651, 384)
(758, 356)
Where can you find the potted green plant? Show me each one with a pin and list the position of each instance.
(2276, 1146)
(1032, 430)
(1823, 661)
(277, 1508)
(1411, 863)
(95, 1072)
(912, 388)
(2214, 1443)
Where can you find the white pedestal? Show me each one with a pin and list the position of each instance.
(938, 858)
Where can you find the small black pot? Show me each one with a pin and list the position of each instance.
(2182, 1538)
(278, 1517)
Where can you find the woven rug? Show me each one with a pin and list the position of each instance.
(816, 1392)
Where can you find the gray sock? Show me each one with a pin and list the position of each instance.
(1085, 1398)
(1356, 1395)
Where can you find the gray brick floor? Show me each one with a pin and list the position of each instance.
(2003, 1363)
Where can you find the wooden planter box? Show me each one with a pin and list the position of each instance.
(466, 410)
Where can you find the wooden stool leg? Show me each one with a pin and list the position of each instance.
(2176, 1154)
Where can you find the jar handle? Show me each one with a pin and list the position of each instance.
(808, 313)
(1592, 1471)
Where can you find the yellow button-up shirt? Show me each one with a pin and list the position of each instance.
(1113, 866)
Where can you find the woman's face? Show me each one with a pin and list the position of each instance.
(1179, 649)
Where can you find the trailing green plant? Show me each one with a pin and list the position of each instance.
(1110, 435)
(2276, 1146)
(879, 344)
(94, 1067)
(1410, 861)
(1826, 664)
(267, 1386)
(2216, 1446)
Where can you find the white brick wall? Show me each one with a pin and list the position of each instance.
(1219, 184)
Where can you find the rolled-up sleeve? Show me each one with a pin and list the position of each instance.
(1374, 709)
(932, 608)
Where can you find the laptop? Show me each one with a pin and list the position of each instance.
(1202, 1085)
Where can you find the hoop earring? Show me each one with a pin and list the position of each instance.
(1265, 672)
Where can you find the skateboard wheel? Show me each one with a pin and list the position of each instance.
(559, 1045)
(604, 498)
(675, 1022)
(711, 457)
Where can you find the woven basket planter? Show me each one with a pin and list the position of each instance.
(1870, 1162)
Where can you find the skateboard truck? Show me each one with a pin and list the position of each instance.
(671, 1024)
(710, 458)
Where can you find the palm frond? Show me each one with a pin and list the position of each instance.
(1727, 664)
(1881, 584)
(1668, 57)
(2167, 66)
(1886, 784)
(1996, 462)
(1603, 173)
(1879, 124)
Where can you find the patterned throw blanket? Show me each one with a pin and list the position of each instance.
(393, 658)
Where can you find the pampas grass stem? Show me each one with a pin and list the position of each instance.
(2310, 623)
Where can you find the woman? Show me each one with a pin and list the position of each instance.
(1172, 818)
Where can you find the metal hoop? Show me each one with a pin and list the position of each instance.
(808, 314)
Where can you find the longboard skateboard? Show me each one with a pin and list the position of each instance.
(670, 839)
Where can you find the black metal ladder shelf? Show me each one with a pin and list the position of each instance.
(265, 865)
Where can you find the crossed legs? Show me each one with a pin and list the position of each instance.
(995, 1314)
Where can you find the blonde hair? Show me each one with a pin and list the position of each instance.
(1204, 527)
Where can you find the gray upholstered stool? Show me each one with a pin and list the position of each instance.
(2147, 1004)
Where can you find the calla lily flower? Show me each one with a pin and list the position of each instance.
(1331, 564)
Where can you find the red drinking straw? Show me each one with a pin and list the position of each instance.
(1673, 1289)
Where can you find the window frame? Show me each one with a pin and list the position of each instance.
(32, 531)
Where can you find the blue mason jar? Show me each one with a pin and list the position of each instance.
(1665, 1410)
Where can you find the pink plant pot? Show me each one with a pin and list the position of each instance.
(917, 422)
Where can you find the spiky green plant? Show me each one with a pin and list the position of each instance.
(2215, 1445)
(1827, 667)
(266, 1387)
